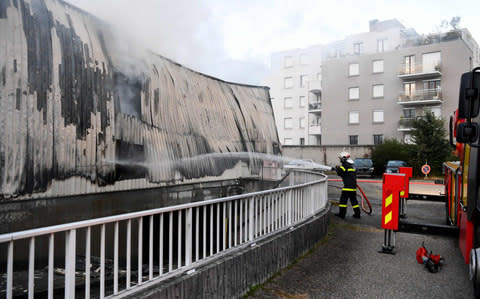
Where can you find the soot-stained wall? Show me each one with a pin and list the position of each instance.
(80, 114)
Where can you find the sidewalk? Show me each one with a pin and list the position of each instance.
(346, 264)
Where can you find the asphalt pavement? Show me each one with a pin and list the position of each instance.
(347, 262)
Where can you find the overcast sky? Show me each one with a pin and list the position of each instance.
(233, 39)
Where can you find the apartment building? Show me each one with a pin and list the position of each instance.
(370, 86)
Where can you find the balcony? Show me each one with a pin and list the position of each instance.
(315, 107)
(421, 97)
(418, 71)
(405, 124)
(315, 129)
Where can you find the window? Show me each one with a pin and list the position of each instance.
(437, 111)
(288, 61)
(378, 91)
(288, 123)
(431, 62)
(353, 139)
(302, 141)
(377, 139)
(319, 76)
(357, 48)
(353, 69)
(431, 85)
(303, 80)
(287, 141)
(302, 101)
(409, 66)
(303, 59)
(378, 66)
(353, 117)
(378, 116)
(301, 122)
(409, 113)
(288, 82)
(381, 45)
(288, 102)
(354, 93)
(409, 89)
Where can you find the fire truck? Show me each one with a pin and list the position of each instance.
(462, 178)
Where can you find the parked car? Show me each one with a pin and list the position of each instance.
(393, 165)
(364, 166)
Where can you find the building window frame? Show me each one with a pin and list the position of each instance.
(352, 71)
(288, 82)
(352, 96)
(301, 122)
(288, 102)
(378, 96)
(377, 71)
(378, 119)
(303, 81)
(409, 113)
(302, 101)
(377, 138)
(354, 117)
(381, 45)
(353, 139)
(358, 48)
(287, 141)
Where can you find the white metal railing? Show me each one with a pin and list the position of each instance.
(97, 257)
(418, 68)
(421, 95)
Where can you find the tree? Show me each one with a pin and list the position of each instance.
(429, 143)
(391, 149)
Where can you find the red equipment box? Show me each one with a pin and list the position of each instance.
(408, 171)
(393, 184)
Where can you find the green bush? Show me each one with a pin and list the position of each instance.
(430, 144)
(391, 149)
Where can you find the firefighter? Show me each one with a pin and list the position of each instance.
(349, 190)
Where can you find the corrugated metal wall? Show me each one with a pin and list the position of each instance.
(78, 115)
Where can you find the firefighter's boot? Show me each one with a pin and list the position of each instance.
(357, 212)
(341, 212)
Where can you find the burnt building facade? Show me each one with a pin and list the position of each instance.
(80, 114)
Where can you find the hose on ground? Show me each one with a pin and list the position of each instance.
(365, 203)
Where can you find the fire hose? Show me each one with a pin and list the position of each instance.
(365, 203)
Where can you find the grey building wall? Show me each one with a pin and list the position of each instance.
(455, 60)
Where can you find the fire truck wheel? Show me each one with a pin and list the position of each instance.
(474, 271)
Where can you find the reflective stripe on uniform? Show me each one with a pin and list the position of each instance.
(351, 169)
(342, 206)
(355, 206)
(349, 189)
(342, 168)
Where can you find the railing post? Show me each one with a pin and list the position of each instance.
(10, 271)
(188, 237)
(251, 216)
(289, 207)
(70, 264)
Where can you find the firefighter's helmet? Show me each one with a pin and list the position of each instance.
(345, 157)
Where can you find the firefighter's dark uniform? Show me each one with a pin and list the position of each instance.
(349, 190)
